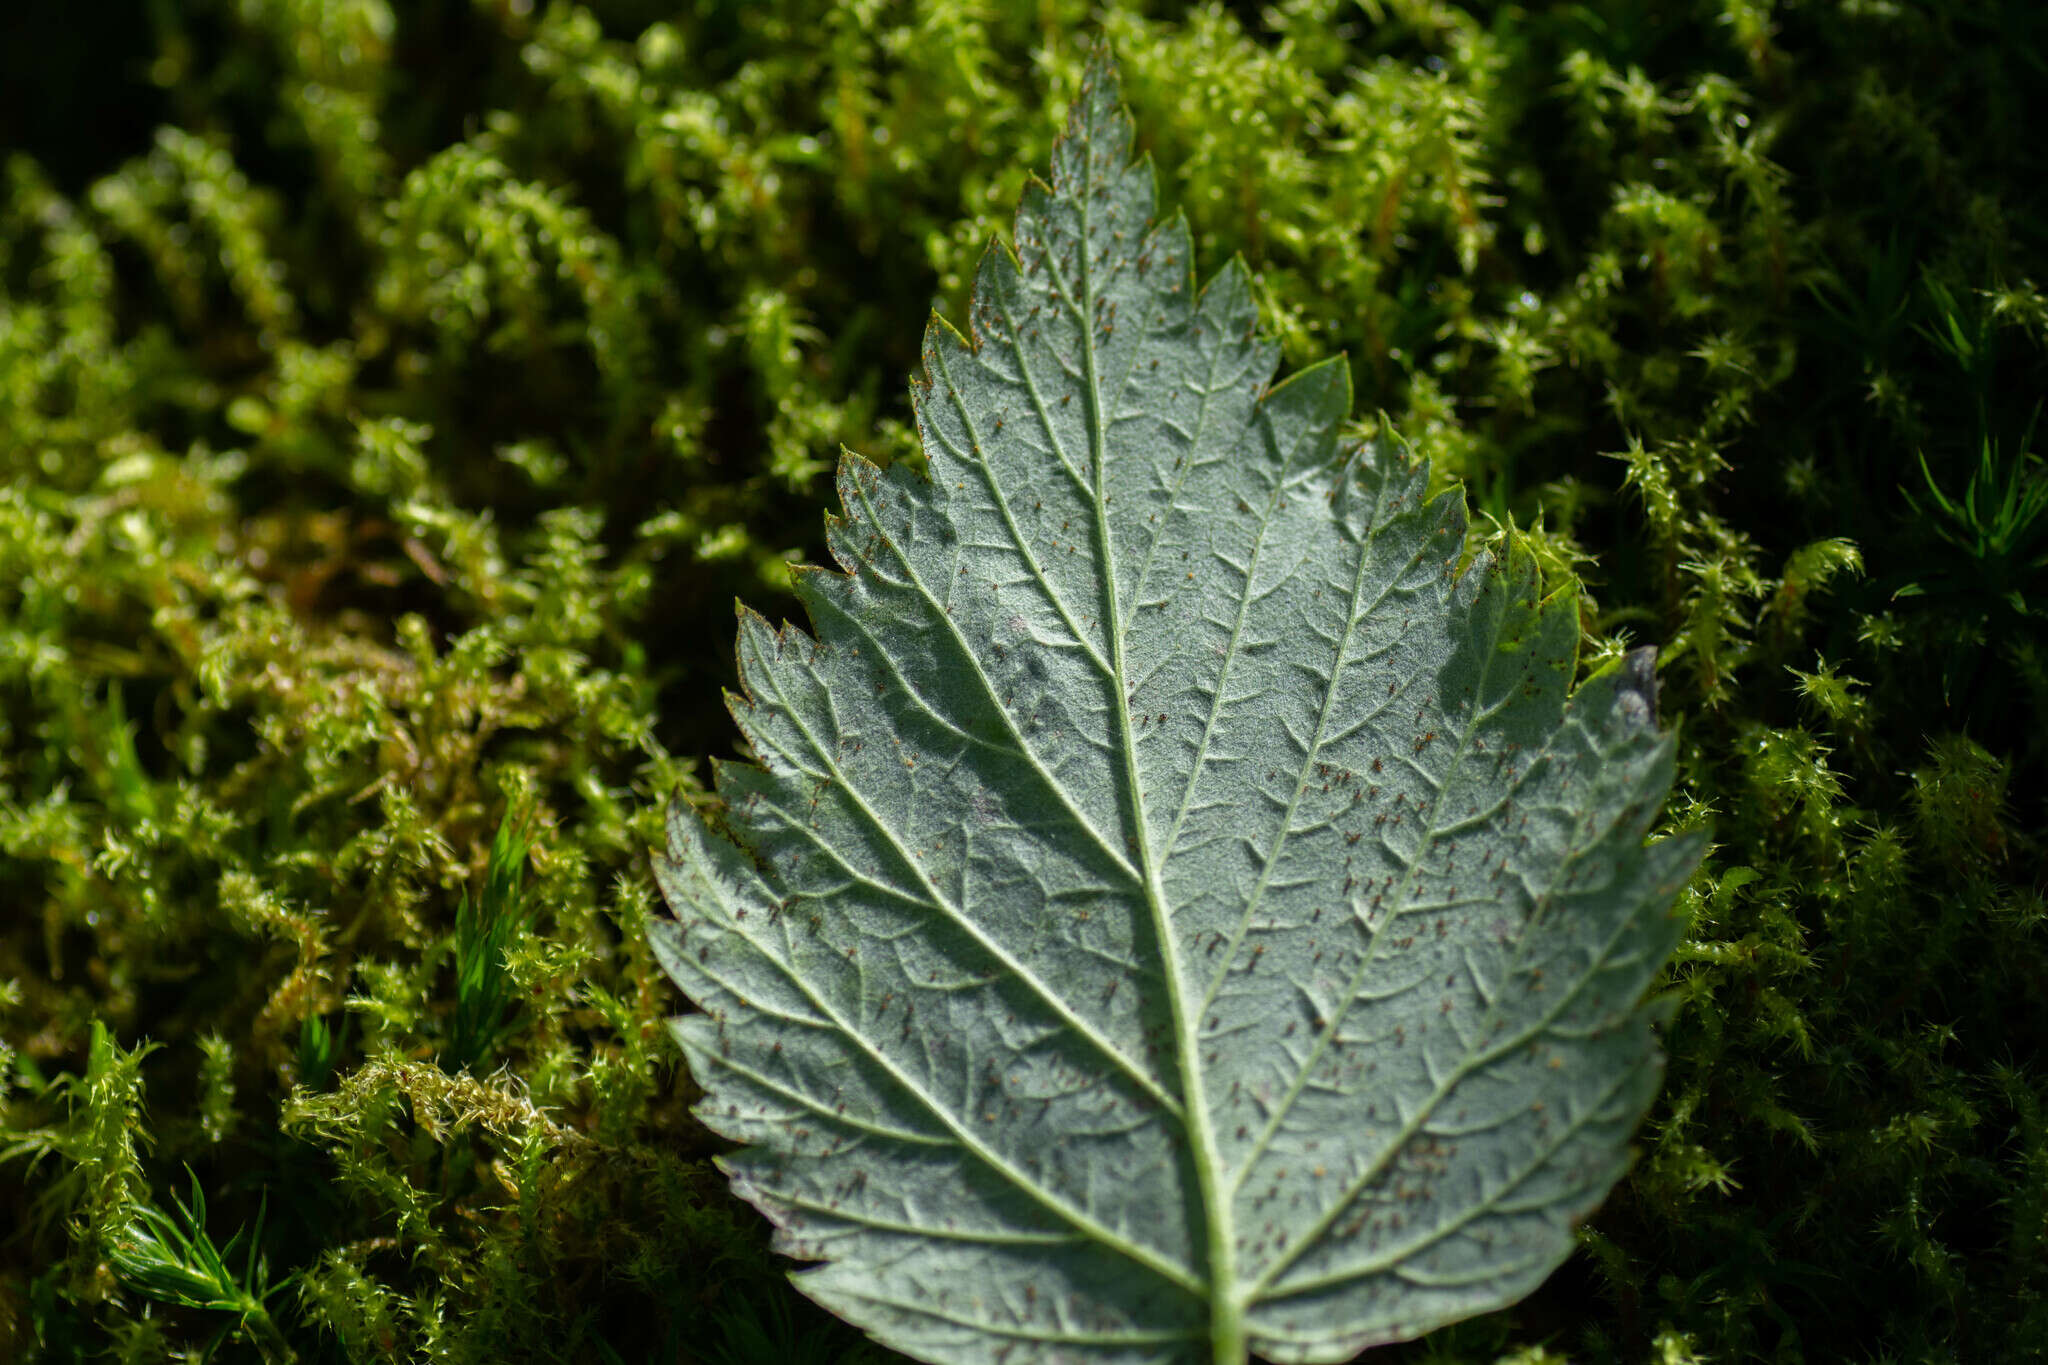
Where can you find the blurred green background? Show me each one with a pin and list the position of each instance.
(394, 397)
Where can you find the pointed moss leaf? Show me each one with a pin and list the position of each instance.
(1176, 913)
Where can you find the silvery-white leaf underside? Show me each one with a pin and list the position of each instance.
(1176, 912)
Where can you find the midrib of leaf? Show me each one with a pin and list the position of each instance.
(1227, 1341)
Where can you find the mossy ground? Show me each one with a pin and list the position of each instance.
(394, 397)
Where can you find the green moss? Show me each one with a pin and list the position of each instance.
(393, 399)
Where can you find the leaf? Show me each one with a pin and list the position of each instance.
(1176, 913)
